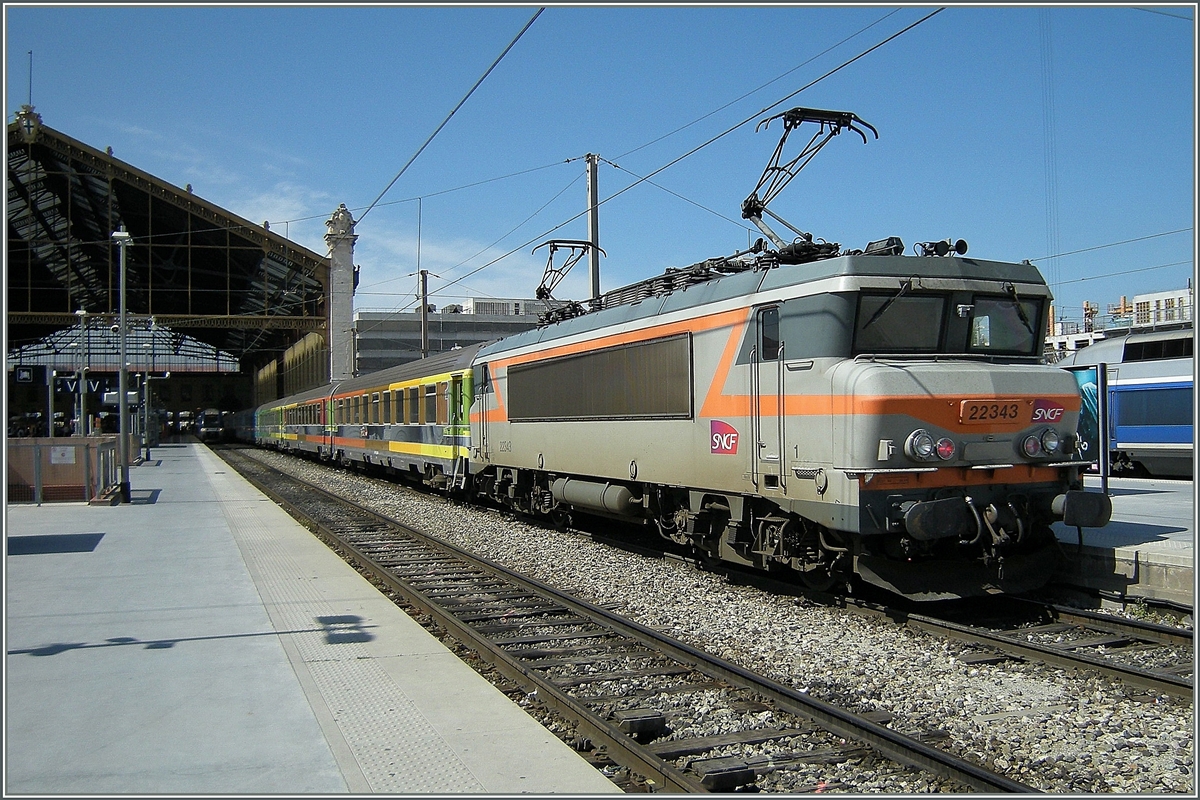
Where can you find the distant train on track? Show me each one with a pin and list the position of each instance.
(1150, 400)
(210, 426)
(792, 408)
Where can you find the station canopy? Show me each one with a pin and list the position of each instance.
(191, 268)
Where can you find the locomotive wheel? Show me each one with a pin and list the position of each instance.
(817, 578)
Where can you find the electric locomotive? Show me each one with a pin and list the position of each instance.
(878, 415)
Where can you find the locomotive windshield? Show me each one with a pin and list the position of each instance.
(899, 323)
(1004, 325)
(954, 324)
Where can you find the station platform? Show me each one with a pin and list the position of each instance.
(199, 641)
(1147, 550)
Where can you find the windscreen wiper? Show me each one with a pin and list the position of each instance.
(905, 286)
(1012, 292)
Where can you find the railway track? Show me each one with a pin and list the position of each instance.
(1146, 655)
(642, 700)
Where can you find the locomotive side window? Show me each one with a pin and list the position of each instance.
(768, 334)
(898, 323)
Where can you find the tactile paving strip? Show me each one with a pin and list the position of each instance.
(396, 747)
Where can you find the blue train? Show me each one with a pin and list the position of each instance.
(1150, 400)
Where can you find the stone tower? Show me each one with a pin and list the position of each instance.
(343, 279)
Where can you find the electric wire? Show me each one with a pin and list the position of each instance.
(736, 222)
(1112, 244)
(776, 79)
(438, 130)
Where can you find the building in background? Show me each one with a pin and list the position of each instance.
(387, 338)
(1153, 311)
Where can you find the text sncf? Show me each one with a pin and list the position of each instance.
(1045, 411)
(723, 438)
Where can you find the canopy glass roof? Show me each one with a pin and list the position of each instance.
(198, 270)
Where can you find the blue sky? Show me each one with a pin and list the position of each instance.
(1029, 131)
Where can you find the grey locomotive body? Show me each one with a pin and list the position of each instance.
(888, 416)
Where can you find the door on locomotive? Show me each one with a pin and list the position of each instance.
(766, 401)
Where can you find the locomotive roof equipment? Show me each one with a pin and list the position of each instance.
(776, 176)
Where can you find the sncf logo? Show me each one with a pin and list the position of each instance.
(724, 438)
(1045, 411)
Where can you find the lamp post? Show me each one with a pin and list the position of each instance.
(81, 427)
(122, 238)
(146, 394)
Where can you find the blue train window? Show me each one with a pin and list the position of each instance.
(1154, 406)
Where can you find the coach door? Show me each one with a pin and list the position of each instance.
(766, 392)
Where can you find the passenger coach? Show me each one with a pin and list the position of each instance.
(409, 419)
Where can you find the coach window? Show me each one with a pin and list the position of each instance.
(399, 404)
(431, 410)
(375, 408)
(414, 404)
(387, 408)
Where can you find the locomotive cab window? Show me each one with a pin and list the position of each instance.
(1005, 325)
(899, 323)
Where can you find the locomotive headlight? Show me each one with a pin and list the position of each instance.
(1050, 440)
(1032, 446)
(919, 445)
(945, 449)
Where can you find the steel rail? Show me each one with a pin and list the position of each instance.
(1160, 682)
(890, 743)
(1136, 629)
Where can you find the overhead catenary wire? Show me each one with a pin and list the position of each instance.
(737, 222)
(454, 111)
(777, 78)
